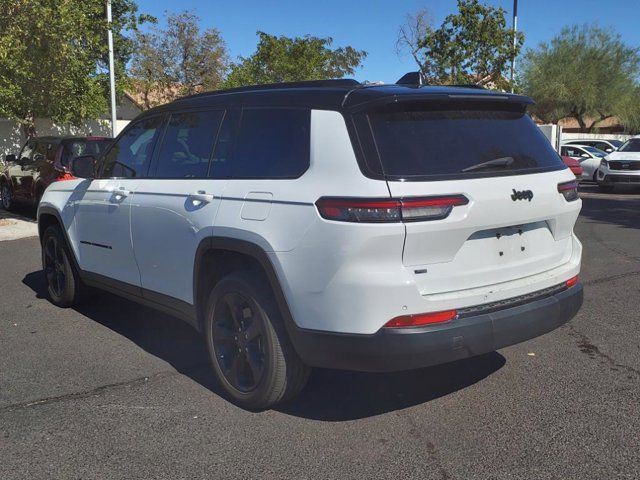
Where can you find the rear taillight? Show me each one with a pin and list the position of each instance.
(64, 176)
(569, 190)
(572, 282)
(389, 210)
(421, 319)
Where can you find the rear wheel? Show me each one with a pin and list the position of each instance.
(6, 196)
(63, 282)
(251, 354)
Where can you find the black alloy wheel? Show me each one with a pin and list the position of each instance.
(238, 341)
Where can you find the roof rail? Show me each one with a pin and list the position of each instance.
(331, 83)
(468, 85)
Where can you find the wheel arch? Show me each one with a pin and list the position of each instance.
(218, 256)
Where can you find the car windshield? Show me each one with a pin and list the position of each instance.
(76, 148)
(595, 151)
(457, 139)
(632, 145)
(616, 143)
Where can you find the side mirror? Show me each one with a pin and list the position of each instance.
(609, 150)
(10, 158)
(83, 166)
(585, 155)
(38, 157)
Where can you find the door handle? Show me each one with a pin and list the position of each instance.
(200, 197)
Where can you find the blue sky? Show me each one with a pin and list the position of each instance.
(373, 25)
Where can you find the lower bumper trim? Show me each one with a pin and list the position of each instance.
(408, 348)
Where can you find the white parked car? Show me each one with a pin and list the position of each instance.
(606, 146)
(326, 224)
(621, 166)
(589, 158)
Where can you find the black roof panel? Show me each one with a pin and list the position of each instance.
(342, 94)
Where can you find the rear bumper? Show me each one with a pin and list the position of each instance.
(404, 349)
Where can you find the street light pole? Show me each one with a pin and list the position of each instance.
(112, 74)
(515, 29)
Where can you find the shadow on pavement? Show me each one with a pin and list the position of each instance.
(331, 395)
(620, 208)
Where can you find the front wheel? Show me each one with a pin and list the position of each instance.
(252, 356)
(63, 282)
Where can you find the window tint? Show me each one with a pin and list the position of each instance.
(459, 139)
(632, 145)
(187, 145)
(272, 143)
(131, 155)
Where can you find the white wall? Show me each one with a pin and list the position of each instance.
(602, 136)
(11, 138)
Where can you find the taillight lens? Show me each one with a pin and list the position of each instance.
(64, 176)
(569, 190)
(421, 319)
(572, 282)
(389, 210)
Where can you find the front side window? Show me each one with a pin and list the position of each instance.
(187, 145)
(465, 139)
(131, 155)
(272, 143)
(632, 145)
(27, 152)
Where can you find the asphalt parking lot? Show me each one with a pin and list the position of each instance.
(115, 390)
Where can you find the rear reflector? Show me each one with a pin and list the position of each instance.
(569, 190)
(421, 319)
(389, 210)
(572, 282)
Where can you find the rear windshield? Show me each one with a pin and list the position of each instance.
(632, 145)
(455, 140)
(76, 148)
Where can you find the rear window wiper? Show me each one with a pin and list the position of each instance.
(497, 162)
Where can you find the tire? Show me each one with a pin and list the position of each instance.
(250, 351)
(63, 282)
(6, 196)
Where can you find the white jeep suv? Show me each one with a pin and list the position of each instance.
(326, 224)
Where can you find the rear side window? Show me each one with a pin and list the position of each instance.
(131, 155)
(271, 143)
(447, 140)
(187, 145)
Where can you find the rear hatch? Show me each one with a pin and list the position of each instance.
(515, 223)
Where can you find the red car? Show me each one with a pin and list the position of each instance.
(573, 164)
(41, 162)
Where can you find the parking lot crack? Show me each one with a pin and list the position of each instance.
(89, 393)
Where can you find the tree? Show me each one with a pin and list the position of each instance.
(473, 46)
(586, 73)
(50, 51)
(284, 59)
(178, 60)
